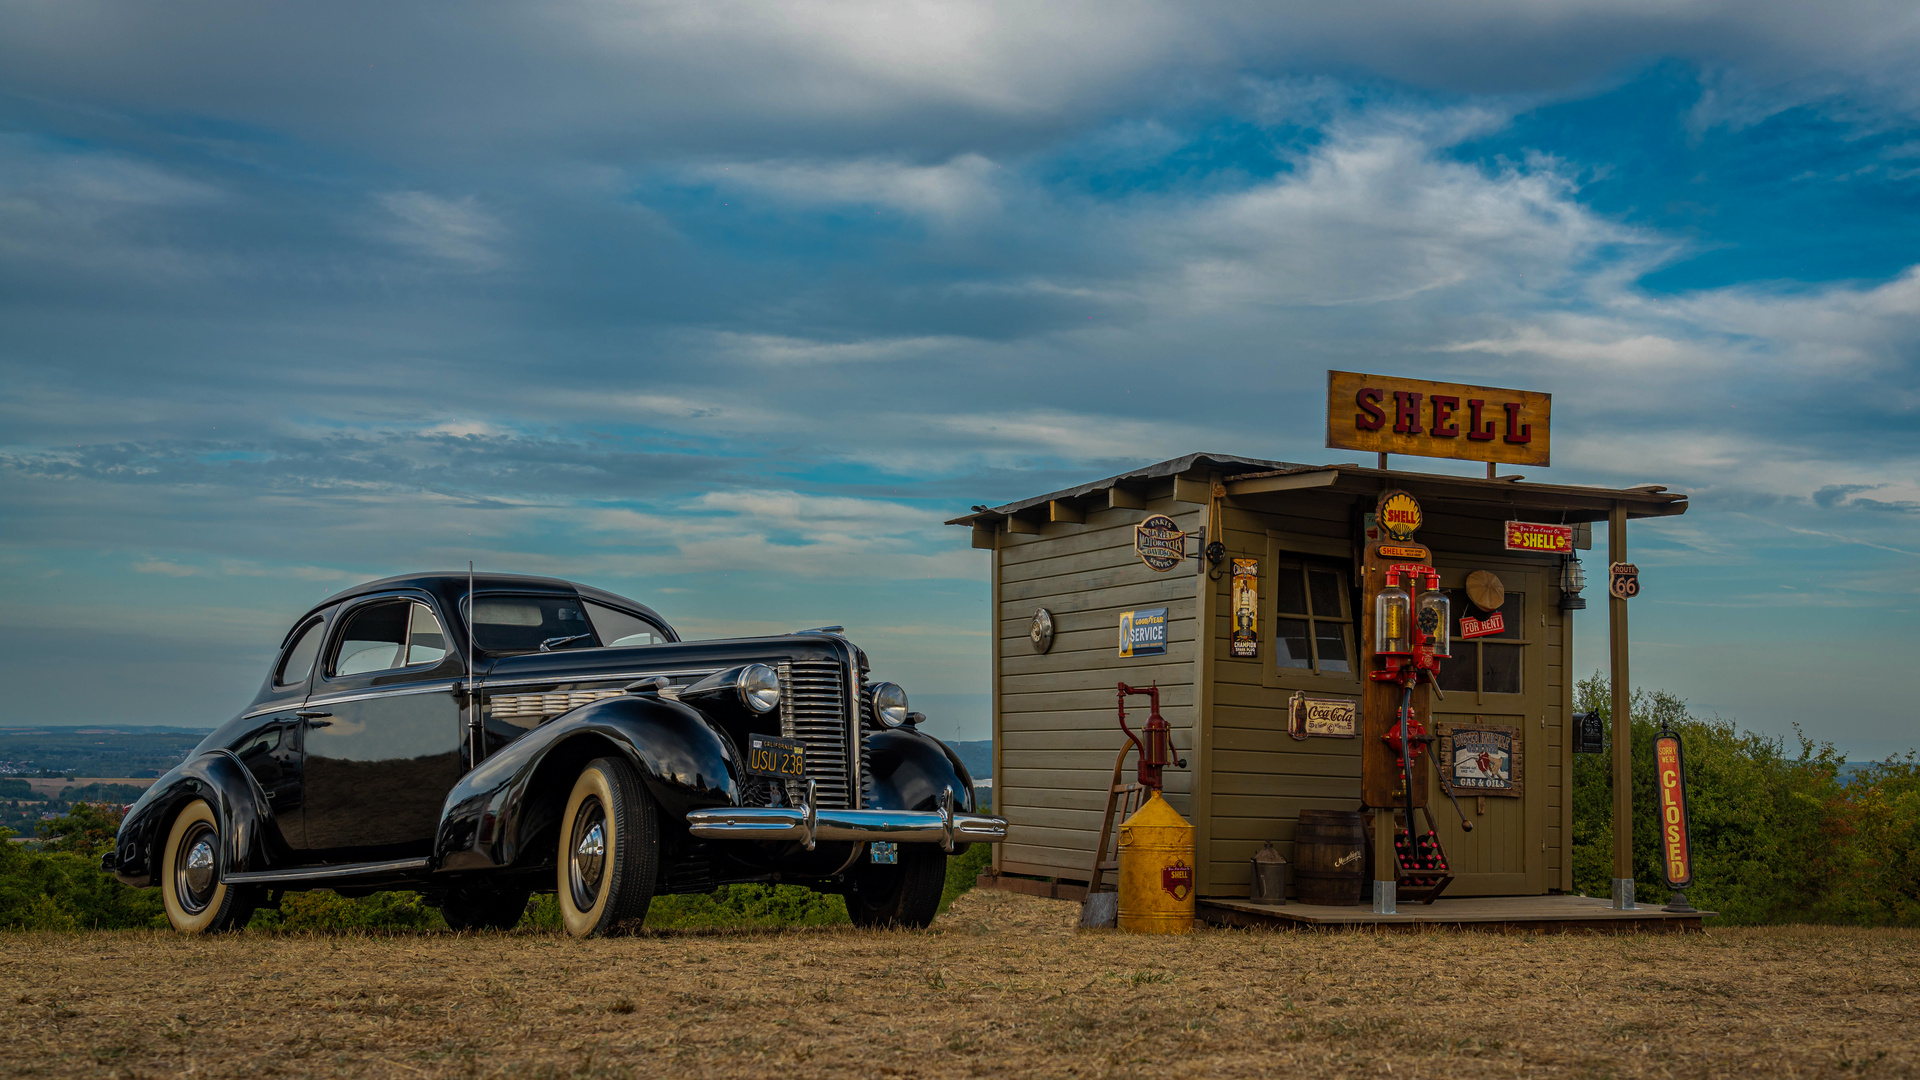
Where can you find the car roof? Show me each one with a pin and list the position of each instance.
(453, 584)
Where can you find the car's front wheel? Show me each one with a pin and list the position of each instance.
(906, 894)
(609, 850)
(482, 906)
(196, 900)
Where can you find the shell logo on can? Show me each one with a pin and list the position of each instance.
(1177, 880)
(1400, 515)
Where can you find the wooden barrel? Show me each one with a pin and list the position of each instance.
(1330, 857)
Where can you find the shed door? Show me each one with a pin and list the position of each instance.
(1499, 681)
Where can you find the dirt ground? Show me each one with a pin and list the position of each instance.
(1001, 986)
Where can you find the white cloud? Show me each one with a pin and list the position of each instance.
(960, 188)
(456, 231)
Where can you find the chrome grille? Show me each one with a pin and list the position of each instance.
(869, 724)
(814, 711)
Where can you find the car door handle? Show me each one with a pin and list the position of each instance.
(315, 718)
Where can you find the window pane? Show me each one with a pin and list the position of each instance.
(299, 659)
(620, 628)
(1291, 599)
(1290, 643)
(1514, 610)
(427, 643)
(518, 624)
(372, 638)
(1331, 637)
(1503, 668)
(1459, 673)
(1325, 588)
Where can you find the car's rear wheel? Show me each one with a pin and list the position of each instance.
(609, 850)
(196, 900)
(906, 894)
(484, 906)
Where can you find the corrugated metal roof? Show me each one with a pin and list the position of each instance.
(1645, 500)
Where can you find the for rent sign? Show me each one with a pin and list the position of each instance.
(1434, 419)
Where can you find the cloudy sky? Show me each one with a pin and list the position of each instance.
(727, 306)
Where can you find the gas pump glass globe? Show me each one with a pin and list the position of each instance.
(1436, 621)
(1393, 622)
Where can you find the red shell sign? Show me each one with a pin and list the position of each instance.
(1543, 539)
(1177, 880)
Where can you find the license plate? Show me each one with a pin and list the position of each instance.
(768, 755)
(883, 853)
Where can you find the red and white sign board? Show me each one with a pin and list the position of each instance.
(1471, 627)
(1540, 539)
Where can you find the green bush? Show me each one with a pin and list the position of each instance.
(62, 887)
(12, 787)
(325, 910)
(1778, 836)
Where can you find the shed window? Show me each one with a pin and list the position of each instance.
(1491, 664)
(1313, 621)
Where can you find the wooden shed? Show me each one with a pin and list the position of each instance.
(1080, 555)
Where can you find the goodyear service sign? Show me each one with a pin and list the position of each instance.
(1143, 632)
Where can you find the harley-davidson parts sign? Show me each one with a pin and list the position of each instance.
(1160, 543)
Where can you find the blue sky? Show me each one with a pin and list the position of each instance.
(728, 306)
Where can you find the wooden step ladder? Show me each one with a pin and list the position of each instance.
(1122, 800)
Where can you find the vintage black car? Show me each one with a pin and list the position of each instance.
(574, 743)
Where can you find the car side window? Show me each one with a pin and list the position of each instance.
(373, 638)
(299, 660)
(426, 642)
(389, 634)
(618, 628)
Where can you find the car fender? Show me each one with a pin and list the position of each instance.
(909, 770)
(490, 816)
(238, 802)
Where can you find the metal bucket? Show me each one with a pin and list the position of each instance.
(1330, 857)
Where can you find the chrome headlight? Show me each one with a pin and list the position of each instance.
(759, 688)
(889, 704)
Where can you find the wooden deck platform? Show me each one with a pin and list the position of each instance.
(1492, 914)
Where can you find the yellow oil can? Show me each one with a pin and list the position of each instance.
(1156, 870)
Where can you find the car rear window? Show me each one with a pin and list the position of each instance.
(520, 623)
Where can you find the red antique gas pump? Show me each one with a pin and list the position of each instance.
(1409, 622)
(1156, 753)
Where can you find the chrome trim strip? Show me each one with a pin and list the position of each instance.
(597, 677)
(326, 873)
(397, 691)
(796, 823)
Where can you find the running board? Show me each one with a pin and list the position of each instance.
(331, 872)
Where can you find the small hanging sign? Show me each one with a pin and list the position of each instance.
(1334, 718)
(1160, 543)
(1588, 736)
(1245, 640)
(1623, 580)
(1538, 538)
(1143, 633)
(1471, 627)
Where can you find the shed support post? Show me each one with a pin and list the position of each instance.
(1622, 720)
(1383, 861)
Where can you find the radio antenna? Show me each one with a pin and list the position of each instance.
(476, 731)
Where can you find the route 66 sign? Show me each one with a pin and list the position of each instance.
(1623, 580)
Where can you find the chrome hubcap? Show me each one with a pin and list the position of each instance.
(194, 878)
(589, 854)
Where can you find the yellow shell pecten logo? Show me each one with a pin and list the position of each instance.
(1400, 515)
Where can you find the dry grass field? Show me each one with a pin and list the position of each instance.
(1002, 986)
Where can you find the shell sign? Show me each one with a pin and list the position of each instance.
(1434, 419)
(1400, 515)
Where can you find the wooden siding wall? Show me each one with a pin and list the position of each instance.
(1055, 731)
(1263, 778)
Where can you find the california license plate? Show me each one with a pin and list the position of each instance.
(769, 755)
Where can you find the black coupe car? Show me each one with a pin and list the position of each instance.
(572, 742)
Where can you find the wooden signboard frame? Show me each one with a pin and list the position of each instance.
(1387, 415)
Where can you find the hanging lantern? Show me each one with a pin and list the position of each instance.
(1393, 622)
(1436, 621)
(1572, 580)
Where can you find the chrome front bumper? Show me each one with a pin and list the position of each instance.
(809, 824)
